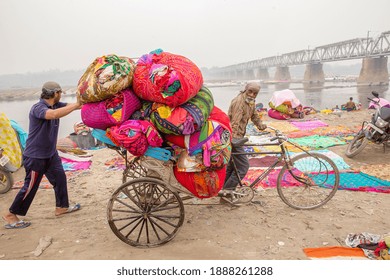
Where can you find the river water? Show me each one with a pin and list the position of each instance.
(319, 97)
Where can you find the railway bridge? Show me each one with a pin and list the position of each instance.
(373, 52)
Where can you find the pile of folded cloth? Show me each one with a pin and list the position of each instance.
(285, 105)
(159, 102)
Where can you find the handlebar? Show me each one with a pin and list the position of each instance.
(242, 141)
(277, 131)
(376, 102)
(278, 134)
(274, 129)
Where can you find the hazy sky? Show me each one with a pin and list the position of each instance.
(41, 35)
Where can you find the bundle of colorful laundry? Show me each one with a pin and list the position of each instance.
(11, 147)
(160, 102)
(285, 105)
(374, 246)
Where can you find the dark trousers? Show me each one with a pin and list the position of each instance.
(242, 164)
(35, 169)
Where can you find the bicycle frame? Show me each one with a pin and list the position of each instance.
(282, 155)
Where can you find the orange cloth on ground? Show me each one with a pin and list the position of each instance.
(333, 251)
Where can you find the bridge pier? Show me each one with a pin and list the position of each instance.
(314, 73)
(374, 71)
(249, 74)
(262, 74)
(282, 73)
(238, 74)
(223, 76)
(228, 75)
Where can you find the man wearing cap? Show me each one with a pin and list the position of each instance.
(40, 156)
(242, 108)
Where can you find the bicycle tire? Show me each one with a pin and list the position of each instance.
(358, 143)
(319, 177)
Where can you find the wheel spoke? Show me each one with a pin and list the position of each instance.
(154, 229)
(140, 231)
(125, 211)
(160, 218)
(156, 224)
(130, 223)
(134, 170)
(127, 205)
(165, 203)
(126, 218)
(159, 209)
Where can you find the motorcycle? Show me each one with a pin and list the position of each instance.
(6, 179)
(376, 131)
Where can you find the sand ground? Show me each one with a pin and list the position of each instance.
(271, 231)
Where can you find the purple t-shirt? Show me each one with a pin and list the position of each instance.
(42, 133)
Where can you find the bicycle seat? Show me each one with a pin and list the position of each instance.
(239, 142)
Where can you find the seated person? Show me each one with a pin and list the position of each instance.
(349, 106)
(298, 112)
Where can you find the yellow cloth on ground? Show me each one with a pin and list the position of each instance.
(338, 130)
(9, 142)
(326, 111)
(282, 126)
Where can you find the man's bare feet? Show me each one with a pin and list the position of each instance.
(10, 218)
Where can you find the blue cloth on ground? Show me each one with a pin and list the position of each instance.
(355, 180)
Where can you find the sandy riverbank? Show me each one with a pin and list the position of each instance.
(269, 231)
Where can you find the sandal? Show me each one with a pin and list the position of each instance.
(70, 209)
(18, 224)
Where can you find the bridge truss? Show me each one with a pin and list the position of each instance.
(345, 50)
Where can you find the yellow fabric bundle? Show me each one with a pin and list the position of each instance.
(9, 142)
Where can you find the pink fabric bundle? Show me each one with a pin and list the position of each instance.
(135, 136)
(95, 114)
(277, 115)
(166, 78)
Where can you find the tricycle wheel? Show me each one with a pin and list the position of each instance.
(134, 170)
(144, 212)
